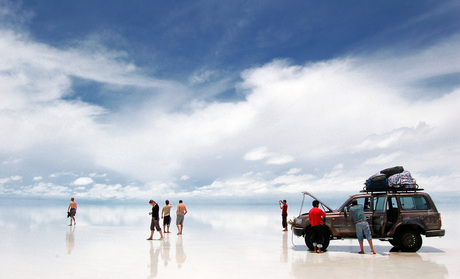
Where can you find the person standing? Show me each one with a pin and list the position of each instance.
(155, 223)
(166, 215)
(180, 212)
(316, 216)
(72, 210)
(362, 226)
(284, 208)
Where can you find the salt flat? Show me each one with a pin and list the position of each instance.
(238, 241)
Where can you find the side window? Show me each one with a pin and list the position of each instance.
(414, 203)
(393, 203)
(365, 202)
(421, 203)
(379, 203)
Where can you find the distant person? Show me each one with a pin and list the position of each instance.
(155, 223)
(180, 212)
(362, 226)
(72, 210)
(284, 208)
(166, 215)
(316, 216)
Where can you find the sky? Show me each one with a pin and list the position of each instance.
(134, 99)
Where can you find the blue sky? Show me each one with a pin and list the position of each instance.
(126, 99)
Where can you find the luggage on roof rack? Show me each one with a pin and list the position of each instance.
(390, 180)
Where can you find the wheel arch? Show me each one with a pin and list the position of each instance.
(414, 225)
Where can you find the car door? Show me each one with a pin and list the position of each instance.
(379, 215)
(348, 227)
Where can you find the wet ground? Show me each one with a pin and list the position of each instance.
(230, 242)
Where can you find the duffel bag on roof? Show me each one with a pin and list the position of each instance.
(402, 180)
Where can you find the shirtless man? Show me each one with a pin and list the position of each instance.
(181, 211)
(72, 209)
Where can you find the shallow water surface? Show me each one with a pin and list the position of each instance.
(231, 241)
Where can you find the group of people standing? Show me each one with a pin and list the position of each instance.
(166, 216)
(155, 224)
(316, 215)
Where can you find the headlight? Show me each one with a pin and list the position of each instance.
(298, 221)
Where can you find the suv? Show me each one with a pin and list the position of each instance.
(398, 217)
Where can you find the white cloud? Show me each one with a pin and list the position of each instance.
(257, 154)
(331, 123)
(184, 177)
(10, 179)
(83, 181)
(261, 153)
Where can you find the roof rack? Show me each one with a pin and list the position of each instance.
(393, 190)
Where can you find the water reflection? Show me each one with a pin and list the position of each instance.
(180, 254)
(165, 249)
(285, 248)
(339, 264)
(250, 247)
(70, 240)
(154, 253)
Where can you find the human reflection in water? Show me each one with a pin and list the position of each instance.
(285, 249)
(180, 255)
(165, 248)
(154, 253)
(70, 240)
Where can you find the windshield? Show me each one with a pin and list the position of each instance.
(343, 204)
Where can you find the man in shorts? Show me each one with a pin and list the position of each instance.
(181, 211)
(72, 210)
(166, 216)
(362, 226)
(155, 223)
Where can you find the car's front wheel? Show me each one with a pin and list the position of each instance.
(326, 239)
(408, 241)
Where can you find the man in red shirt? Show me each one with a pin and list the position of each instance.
(315, 216)
(284, 207)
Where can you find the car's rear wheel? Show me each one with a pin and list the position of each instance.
(408, 241)
(326, 239)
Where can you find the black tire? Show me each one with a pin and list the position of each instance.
(308, 240)
(326, 239)
(408, 241)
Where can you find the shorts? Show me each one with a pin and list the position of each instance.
(180, 219)
(362, 229)
(73, 211)
(155, 225)
(167, 220)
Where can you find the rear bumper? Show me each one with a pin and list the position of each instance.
(432, 233)
(298, 231)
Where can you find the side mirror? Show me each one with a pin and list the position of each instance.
(345, 211)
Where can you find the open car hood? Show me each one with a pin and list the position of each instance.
(315, 198)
